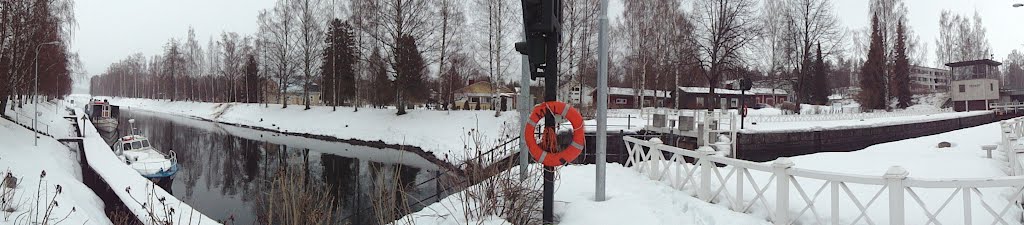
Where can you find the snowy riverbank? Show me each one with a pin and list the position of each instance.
(26, 162)
(443, 133)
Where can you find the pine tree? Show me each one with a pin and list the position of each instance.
(410, 70)
(872, 82)
(252, 78)
(383, 94)
(901, 70)
(329, 67)
(822, 89)
(348, 57)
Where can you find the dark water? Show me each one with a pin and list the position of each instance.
(225, 169)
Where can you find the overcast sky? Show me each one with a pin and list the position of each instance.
(109, 30)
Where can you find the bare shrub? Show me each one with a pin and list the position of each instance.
(291, 199)
(491, 187)
(34, 214)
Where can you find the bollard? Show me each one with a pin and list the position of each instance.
(894, 180)
(988, 150)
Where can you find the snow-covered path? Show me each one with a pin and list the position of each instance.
(443, 133)
(632, 199)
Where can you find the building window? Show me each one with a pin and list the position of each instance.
(474, 99)
(700, 102)
(991, 87)
(963, 88)
(620, 101)
(735, 103)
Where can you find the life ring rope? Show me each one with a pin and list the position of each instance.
(546, 155)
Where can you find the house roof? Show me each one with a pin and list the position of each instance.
(482, 87)
(769, 91)
(632, 92)
(975, 62)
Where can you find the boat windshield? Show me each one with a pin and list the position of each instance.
(145, 143)
(136, 145)
(126, 147)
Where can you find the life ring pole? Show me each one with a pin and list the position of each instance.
(550, 95)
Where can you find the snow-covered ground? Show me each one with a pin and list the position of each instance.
(634, 199)
(631, 199)
(26, 162)
(443, 133)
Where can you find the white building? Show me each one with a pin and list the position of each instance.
(975, 84)
(925, 80)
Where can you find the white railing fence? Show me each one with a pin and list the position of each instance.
(819, 197)
(1010, 149)
(841, 116)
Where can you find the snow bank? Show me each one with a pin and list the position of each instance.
(443, 133)
(26, 162)
(631, 199)
(767, 111)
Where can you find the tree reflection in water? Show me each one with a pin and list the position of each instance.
(225, 170)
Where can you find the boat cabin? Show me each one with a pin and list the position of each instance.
(131, 143)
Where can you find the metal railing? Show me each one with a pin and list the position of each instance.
(784, 194)
(841, 116)
(27, 121)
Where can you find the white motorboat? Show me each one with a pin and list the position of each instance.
(103, 115)
(136, 151)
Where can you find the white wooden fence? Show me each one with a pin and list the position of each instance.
(820, 197)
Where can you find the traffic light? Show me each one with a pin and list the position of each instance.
(542, 20)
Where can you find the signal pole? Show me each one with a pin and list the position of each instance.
(542, 22)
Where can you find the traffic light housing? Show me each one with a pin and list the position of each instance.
(542, 22)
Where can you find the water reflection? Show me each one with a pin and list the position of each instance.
(225, 169)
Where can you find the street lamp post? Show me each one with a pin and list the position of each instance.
(35, 95)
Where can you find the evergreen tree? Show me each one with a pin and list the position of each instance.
(900, 87)
(822, 89)
(805, 81)
(329, 67)
(338, 67)
(252, 78)
(348, 56)
(382, 91)
(409, 73)
(872, 82)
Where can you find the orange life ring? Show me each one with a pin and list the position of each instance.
(546, 151)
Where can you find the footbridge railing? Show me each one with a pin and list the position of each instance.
(784, 194)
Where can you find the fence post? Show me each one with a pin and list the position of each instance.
(780, 167)
(894, 180)
(1011, 156)
(706, 171)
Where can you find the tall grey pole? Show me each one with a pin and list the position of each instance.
(35, 97)
(525, 103)
(602, 102)
(35, 102)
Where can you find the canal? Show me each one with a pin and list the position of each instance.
(226, 170)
